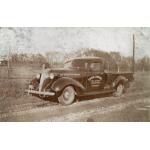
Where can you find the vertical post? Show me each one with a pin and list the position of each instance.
(133, 59)
(8, 65)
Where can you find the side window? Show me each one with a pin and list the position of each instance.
(80, 64)
(96, 66)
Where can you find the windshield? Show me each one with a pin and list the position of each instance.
(77, 64)
(96, 66)
(68, 64)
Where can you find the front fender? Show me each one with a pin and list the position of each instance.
(61, 83)
(35, 83)
(120, 79)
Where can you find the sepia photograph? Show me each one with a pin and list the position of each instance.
(74, 74)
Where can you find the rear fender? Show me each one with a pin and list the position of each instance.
(61, 83)
(120, 79)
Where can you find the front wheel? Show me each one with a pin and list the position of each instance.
(119, 90)
(67, 96)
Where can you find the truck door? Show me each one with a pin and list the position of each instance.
(96, 76)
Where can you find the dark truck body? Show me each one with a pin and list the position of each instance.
(81, 76)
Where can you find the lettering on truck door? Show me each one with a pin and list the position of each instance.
(95, 78)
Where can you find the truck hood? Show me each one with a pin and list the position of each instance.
(64, 72)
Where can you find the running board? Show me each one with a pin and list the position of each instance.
(97, 92)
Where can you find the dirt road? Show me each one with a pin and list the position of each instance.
(132, 106)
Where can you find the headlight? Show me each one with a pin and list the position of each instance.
(38, 76)
(51, 76)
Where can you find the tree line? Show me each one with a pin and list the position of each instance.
(114, 60)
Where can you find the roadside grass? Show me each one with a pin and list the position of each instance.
(141, 82)
(19, 77)
(12, 88)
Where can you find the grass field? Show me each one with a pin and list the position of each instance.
(18, 79)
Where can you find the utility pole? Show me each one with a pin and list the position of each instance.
(133, 59)
(8, 65)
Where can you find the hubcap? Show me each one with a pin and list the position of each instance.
(120, 89)
(68, 94)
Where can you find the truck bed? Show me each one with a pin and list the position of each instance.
(111, 76)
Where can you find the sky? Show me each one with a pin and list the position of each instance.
(42, 40)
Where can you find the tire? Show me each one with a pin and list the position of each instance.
(119, 90)
(67, 96)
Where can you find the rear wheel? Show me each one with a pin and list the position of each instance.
(67, 96)
(119, 90)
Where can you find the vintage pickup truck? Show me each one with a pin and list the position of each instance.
(79, 77)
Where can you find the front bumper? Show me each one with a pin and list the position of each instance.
(40, 92)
